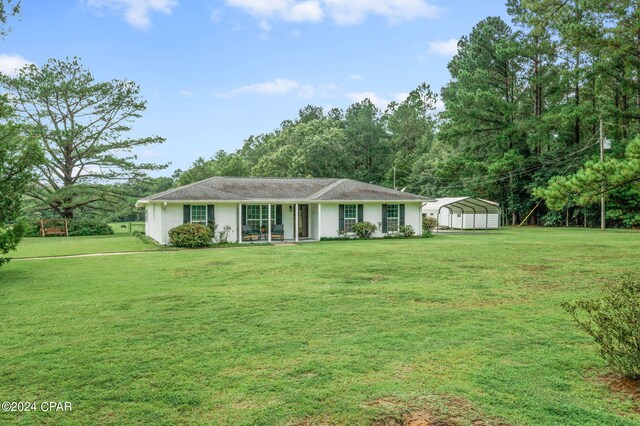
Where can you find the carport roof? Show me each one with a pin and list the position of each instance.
(463, 205)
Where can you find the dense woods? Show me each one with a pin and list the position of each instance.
(520, 125)
(523, 105)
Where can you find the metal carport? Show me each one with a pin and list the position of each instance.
(464, 205)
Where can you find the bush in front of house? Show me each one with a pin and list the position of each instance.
(364, 229)
(428, 225)
(613, 321)
(190, 235)
(407, 231)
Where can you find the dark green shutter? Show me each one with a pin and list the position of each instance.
(341, 218)
(360, 212)
(384, 218)
(401, 214)
(211, 218)
(186, 213)
(279, 214)
(244, 215)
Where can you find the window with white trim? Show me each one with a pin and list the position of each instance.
(258, 217)
(393, 217)
(199, 214)
(350, 216)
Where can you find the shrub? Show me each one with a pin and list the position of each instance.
(364, 229)
(428, 225)
(613, 321)
(407, 231)
(223, 236)
(192, 235)
(9, 239)
(80, 228)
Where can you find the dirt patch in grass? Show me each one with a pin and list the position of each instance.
(448, 410)
(623, 387)
(534, 269)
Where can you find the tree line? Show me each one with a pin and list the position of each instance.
(520, 125)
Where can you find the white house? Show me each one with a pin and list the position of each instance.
(294, 209)
(464, 213)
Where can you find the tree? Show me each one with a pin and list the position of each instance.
(411, 127)
(19, 155)
(8, 9)
(586, 185)
(81, 125)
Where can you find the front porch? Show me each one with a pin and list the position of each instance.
(282, 222)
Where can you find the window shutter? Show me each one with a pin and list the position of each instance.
(360, 212)
(279, 214)
(211, 217)
(341, 218)
(384, 218)
(186, 213)
(401, 214)
(244, 215)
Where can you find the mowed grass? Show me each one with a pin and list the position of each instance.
(344, 332)
(64, 246)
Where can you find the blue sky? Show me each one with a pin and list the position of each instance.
(215, 72)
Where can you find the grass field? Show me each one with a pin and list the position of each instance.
(64, 246)
(457, 327)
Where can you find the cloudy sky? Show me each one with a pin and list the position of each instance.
(216, 71)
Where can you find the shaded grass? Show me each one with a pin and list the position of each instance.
(315, 332)
(63, 246)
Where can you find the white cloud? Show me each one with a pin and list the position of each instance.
(444, 48)
(9, 64)
(216, 15)
(264, 26)
(296, 34)
(372, 96)
(355, 77)
(186, 93)
(400, 96)
(281, 87)
(342, 12)
(135, 12)
(286, 10)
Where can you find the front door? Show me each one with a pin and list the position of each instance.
(303, 221)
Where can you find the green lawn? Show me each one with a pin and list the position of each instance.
(344, 332)
(62, 246)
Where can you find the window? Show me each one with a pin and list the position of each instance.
(258, 217)
(199, 214)
(393, 217)
(350, 216)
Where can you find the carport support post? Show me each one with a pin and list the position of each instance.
(269, 223)
(295, 223)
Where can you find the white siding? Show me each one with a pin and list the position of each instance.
(372, 213)
(227, 215)
(455, 220)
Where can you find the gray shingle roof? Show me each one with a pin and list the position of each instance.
(256, 189)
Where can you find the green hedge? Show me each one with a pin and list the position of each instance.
(77, 228)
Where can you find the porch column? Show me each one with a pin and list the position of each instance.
(269, 224)
(239, 222)
(295, 226)
(319, 221)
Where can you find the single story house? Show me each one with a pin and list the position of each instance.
(464, 213)
(294, 209)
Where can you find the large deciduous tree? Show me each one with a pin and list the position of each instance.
(82, 126)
